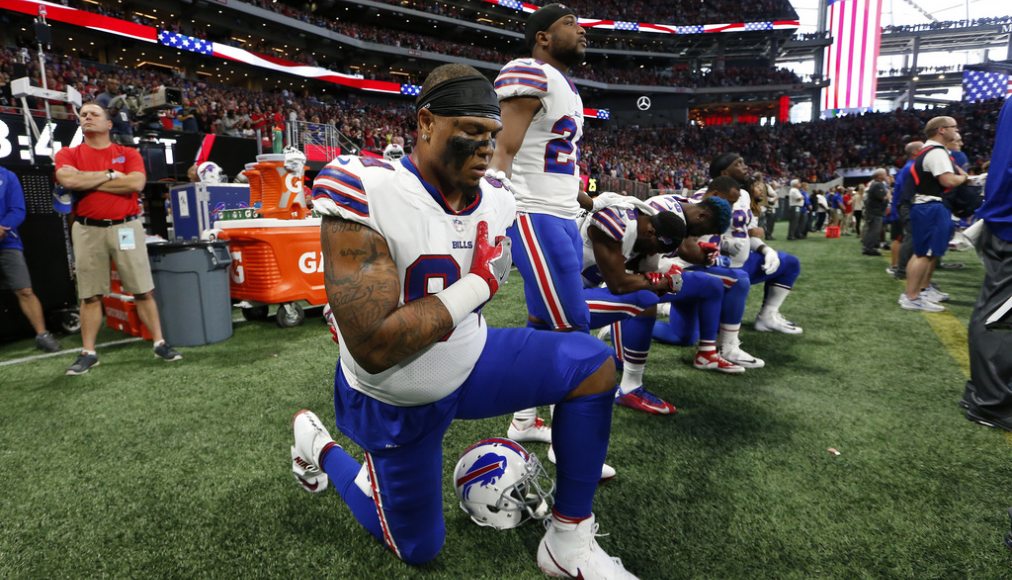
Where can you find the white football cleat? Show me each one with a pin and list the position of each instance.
(311, 438)
(776, 323)
(535, 430)
(732, 352)
(570, 551)
(607, 471)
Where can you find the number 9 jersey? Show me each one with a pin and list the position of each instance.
(432, 246)
(546, 177)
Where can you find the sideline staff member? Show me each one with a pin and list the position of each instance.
(13, 269)
(107, 178)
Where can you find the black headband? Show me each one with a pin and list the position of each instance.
(543, 19)
(470, 96)
(722, 162)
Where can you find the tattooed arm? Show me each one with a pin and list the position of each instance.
(363, 290)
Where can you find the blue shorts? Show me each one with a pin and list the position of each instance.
(548, 253)
(519, 368)
(931, 224)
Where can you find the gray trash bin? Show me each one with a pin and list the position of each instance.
(191, 286)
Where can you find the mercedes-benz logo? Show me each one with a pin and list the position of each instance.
(643, 103)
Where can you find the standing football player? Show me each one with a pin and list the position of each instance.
(542, 115)
(412, 251)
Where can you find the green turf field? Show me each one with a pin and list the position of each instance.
(150, 469)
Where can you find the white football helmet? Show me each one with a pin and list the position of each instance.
(209, 172)
(393, 152)
(501, 485)
(295, 160)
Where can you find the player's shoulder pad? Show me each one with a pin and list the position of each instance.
(613, 221)
(665, 202)
(341, 187)
(522, 77)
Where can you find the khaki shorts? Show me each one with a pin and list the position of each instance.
(95, 246)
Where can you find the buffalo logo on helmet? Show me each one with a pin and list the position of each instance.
(485, 471)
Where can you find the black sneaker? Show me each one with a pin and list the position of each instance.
(951, 266)
(47, 342)
(166, 352)
(83, 364)
(978, 415)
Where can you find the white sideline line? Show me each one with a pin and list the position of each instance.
(63, 352)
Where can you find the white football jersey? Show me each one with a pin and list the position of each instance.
(735, 243)
(620, 223)
(546, 177)
(432, 246)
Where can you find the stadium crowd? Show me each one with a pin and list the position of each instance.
(682, 12)
(599, 71)
(664, 157)
(675, 156)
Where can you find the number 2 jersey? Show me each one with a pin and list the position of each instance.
(546, 177)
(432, 245)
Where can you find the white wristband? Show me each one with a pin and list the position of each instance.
(463, 296)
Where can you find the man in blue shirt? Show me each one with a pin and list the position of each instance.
(988, 394)
(899, 217)
(13, 268)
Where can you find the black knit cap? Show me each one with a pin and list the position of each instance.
(543, 19)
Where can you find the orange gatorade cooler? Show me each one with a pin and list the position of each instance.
(276, 262)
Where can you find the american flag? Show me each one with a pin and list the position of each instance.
(411, 90)
(750, 26)
(981, 85)
(183, 42)
(600, 114)
(852, 58)
(693, 29)
(631, 26)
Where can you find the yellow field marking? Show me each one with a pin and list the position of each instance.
(952, 334)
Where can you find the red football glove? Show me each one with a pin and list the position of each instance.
(662, 283)
(675, 273)
(491, 263)
(711, 251)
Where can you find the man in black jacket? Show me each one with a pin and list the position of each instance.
(875, 206)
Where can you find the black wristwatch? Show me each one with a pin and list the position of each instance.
(110, 174)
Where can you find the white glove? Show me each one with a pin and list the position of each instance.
(498, 178)
(608, 199)
(771, 261)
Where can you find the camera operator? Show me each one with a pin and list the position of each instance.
(123, 109)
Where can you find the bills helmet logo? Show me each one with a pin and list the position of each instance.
(485, 471)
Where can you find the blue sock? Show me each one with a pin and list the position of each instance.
(580, 430)
(342, 468)
(636, 334)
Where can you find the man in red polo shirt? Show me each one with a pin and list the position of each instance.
(106, 178)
